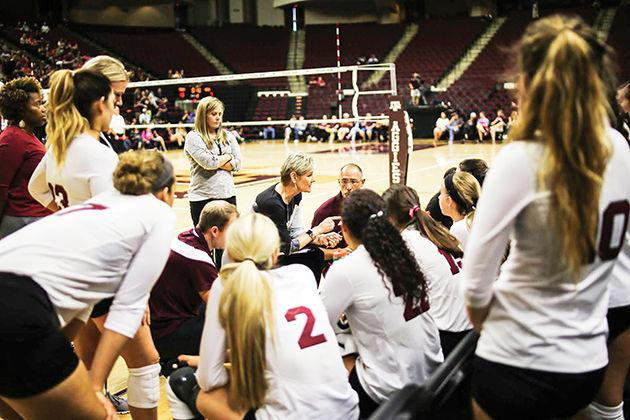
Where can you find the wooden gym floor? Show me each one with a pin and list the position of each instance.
(261, 166)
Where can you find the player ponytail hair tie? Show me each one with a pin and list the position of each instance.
(377, 214)
(258, 266)
(413, 211)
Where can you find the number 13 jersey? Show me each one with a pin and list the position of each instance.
(540, 316)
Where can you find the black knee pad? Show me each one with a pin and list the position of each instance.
(184, 384)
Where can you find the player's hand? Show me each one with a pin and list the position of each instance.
(192, 361)
(146, 319)
(333, 239)
(110, 411)
(327, 224)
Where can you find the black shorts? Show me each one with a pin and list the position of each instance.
(508, 392)
(35, 356)
(101, 308)
(618, 321)
(366, 404)
(450, 340)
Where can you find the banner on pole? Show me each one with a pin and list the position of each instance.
(400, 141)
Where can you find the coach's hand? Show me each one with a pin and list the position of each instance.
(327, 225)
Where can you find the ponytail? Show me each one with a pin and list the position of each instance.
(245, 307)
(403, 205)
(69, 107)
(565, 107)
(464, 190)
(364, 214)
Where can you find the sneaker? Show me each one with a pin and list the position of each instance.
(119, 403)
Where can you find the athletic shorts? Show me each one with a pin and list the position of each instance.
(366, 404)
(618, 321)
(35, 356)
(101, 308)
(508, 392)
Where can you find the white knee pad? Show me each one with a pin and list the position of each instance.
(597, 411)
(144, 386)
(179, 409)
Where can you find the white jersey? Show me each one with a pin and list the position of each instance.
(114, 245)
(441, 271)
(620, 278)
(393, 351)
(86, 172)
(460, 230)
(540, 317)
(305, 373)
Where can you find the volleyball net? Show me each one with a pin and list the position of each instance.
(255, 100)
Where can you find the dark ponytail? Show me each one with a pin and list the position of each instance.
(403, 205)
(364, 214)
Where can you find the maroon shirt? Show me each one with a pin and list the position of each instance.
(175, 296)
(330, 207)
(20, 154)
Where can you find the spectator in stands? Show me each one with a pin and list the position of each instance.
(213, 154)
(282, 203)
(317, 81)
(415, 84)
(497, 126)
(511, 122)
(145, 116)
(177, 135)
(117, 132)
(454, 126)
(361, 60)
(381, 128)
(299, 132)
(20, 152)
(332, 128)
(269, 132)
(357, 129)
(179, 296)
(151, 139)
(320, 132)
(373, 59)
(470, 128)
(459, 193)
(289, 129)
(441, 125)
(567, 174)
(350, 179)
(483, 124)
(381, 289)
(369, 126)
(344, 128)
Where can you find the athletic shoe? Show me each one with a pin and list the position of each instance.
(119, 403)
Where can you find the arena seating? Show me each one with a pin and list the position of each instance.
(157, 50)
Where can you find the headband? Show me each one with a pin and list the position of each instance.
(452, 192)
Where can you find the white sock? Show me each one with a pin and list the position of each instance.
(597, 411)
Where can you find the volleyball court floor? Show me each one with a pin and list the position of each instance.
(261, 167)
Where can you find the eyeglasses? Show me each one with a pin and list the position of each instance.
(354, 182)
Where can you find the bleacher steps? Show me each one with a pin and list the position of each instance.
(604, 21)
(410, 32)
(205, 53)
(469, 56)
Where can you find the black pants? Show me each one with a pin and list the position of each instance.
(508, 392)
(367, 405)
(195, 212)
(184, 340)
(313, 258)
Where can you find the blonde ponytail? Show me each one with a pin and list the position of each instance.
(64, 120)
(464, 190)
(565, 107)
(70, 101)
(245, 308)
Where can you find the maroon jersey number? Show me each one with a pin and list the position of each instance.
(306, 339)
(455, 265)
(413, 311)
(616, 209)
(60, 195)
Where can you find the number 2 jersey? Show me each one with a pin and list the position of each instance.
(87, 171)
(540, 316)
(396, 345)
(305, 373)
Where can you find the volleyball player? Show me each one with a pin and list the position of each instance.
(459, 193)
(384, 295)
(54, 270)
(76, 167)
(542, 351)
(439, 257)
(284, 361)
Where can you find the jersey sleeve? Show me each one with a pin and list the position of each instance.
(211, 372)
(336, 292)
(145, 268)
(508, 188)
(37, 185)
